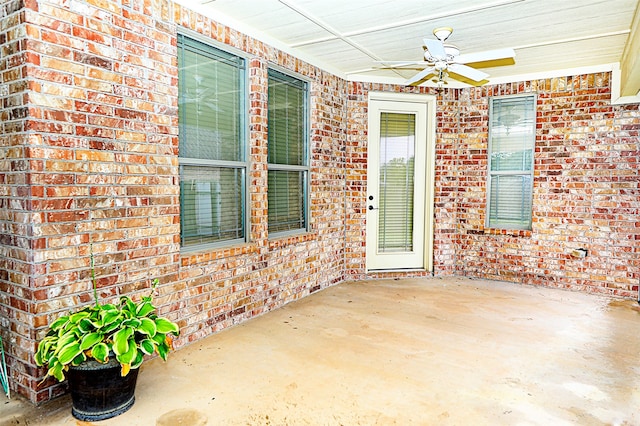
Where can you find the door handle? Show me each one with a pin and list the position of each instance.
(373, 208)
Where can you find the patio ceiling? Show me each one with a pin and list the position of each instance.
(549, 37)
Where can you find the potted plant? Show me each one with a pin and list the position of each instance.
(99, 349)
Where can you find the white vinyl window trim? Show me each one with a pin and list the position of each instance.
(512, 133)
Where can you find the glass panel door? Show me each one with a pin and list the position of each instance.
(397, 191)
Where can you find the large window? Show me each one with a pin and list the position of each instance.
(512, 131)
(212, 157)
(288, 153)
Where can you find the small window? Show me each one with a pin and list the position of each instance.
(212, 154)
(512, 132)
(288, 168)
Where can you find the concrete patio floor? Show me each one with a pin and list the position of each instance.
(450, 351)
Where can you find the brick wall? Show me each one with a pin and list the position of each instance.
(224, 287)
(89, 156)
(586, 190)
(100, 165)
(93, 165)
(16, 219)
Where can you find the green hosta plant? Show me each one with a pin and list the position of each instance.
(128, 330)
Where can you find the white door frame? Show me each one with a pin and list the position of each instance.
(429, 175)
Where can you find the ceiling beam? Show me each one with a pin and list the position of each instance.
(328, 28)
(325, 26)
(630, 62)
(571, 40)
(413, 21)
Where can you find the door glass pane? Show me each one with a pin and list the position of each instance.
(397, 154)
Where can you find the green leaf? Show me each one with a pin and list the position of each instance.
(65, 340)
(68, 353)
(111, 327)
(163, 350)
(121, 340)
(138, 361)
(147, 326)
(159, 338)
(127, 304)
(79, 359)
(44, 351)
(108, 307)
(165, 326)
(75, 318)
(85, 325)
(109, 316)
(147, 346)
(100, 352)
(59, 323)
(89, 340)
(131, 322)
(130, 355)
(145, 309)
(39, 356)
(56, 370)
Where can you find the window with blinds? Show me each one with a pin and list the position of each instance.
(213, 168)
(512, 133)
(288, 168)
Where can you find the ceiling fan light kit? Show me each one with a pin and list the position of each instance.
(442, 33)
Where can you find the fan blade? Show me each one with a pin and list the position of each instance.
(468, 72)
(488, 55)
(420, 76)
(435, 48)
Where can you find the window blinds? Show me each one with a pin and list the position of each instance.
(211, 143)
(397, 159)
(287, 153)
(511, 148)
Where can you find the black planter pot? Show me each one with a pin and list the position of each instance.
(99, 392)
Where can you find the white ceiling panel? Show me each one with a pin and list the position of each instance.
(348, 36)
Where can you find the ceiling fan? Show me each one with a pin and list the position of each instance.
(441, 59)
